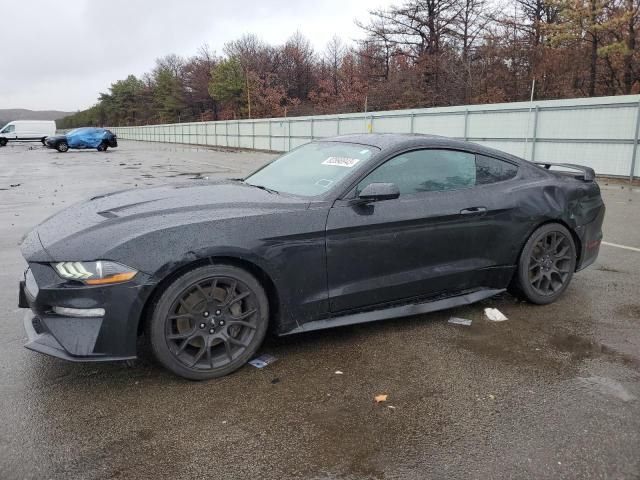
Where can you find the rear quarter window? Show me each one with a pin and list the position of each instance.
(492, 170)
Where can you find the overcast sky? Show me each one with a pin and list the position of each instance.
(61, 55)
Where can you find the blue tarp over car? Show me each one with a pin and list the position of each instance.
(86, 137)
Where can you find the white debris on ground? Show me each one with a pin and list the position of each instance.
(460, 321)
(494, 315)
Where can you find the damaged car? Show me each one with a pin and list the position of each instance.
(339, 231)
(81, 138)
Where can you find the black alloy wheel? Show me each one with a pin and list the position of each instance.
(62, 146)
(209, 322)
(546, 264)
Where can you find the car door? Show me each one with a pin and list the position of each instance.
(431, 240)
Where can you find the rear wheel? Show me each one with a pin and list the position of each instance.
(209, 322)
(546, 264)
(62, 146)
(43, 140)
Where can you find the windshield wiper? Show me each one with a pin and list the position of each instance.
(262, 187)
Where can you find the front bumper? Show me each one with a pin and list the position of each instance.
(102, 338)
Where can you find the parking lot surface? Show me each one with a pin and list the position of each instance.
(554, 392)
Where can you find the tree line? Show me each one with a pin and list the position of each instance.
(420, 53)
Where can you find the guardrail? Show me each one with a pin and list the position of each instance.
(601, 133)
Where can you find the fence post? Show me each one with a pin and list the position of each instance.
(535, 132)
(288, 135)
(411, 128)
(466, 124)
(312, 129)
(635, 147)
(338, 124)
(270, 148)
(253, 135)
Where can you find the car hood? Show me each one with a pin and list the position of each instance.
(130, 213)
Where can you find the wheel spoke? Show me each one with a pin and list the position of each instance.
(185, 306)
(203, 293)
(198, 356)
(244, 315)
(186, 342)
(237, 298)
(179, 315)
(230, 292)
(180, 336)
(227, 348)
(537, 278)
(209, 357)
(240, 323)
(235, 341)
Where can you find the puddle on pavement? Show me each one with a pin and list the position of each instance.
(580, 348)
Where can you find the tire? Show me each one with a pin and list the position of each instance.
(43, 140)
(62, 147)
(3, 142)
(209, 322)
(102, 147)
(546, 265)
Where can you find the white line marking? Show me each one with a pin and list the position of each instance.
(633, 249)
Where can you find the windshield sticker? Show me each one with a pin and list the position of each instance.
(341, 161)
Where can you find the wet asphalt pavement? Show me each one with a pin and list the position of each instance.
(554, 392)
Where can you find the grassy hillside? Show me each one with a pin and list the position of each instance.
(7, 115)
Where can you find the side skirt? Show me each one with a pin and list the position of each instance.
(397, 311)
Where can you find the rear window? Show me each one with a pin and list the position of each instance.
(491, 170)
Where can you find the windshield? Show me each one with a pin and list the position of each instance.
(312, 169)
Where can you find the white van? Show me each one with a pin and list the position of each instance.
(27, 130)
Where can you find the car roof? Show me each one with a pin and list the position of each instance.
(397, 141)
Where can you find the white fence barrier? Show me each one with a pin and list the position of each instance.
(598, 132)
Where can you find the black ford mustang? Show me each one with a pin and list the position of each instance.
(339, 231)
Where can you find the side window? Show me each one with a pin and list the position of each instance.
(9, 129)
(426, 171)
(491, 170)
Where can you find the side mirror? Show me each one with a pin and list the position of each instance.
(375, 192)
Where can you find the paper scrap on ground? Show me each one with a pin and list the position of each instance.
(380, 398)
(460, 321)
(263, 360)
(338, 372)
(494, 315)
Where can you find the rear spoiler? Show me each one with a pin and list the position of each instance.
(588, 174)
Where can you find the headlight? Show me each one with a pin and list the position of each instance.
(95, 273)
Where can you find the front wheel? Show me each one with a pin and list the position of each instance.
(62, 147)
(102, 147)
(209, 322)
(43, 140)
(546, 264)
(3, 142)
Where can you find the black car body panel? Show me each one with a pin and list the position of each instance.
(326, 259)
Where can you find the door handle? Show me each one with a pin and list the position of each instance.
(473, 211)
